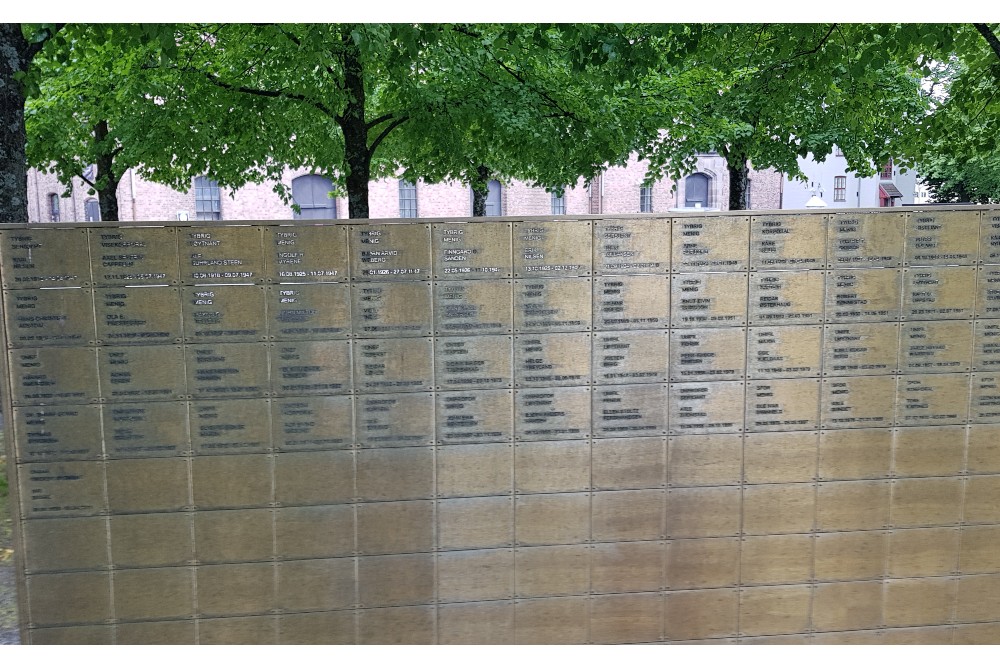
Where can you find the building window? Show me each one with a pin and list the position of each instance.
(840, 188)
(838, 151)
(312, 194)
(407, 199)
(887, 171)
(494, 203)
(53, 207)
(92, 210)
(746, 195)
(646, 199)
(559, 204)
(207, 202)
(696, 191)
(596, 191)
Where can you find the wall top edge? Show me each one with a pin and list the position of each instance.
(492, 219)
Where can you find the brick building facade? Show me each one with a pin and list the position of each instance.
(619, 190)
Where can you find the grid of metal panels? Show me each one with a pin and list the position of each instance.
(730, 428)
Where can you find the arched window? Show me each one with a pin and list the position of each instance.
(312, 194)
(207, 201)
(92, 210)
(559, 204)
(53, 207)
(696, 191)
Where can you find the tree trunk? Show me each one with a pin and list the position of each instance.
(739, 181)
(352, 123)
(107, 179)
(480, 191)
(13, 138)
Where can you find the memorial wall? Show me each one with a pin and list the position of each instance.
(731, 428)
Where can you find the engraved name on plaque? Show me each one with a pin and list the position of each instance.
(630, 356)
(707, 354)
(224, 313)
(392, 365)
(138, 315)
(932, 399)
(216, 370)
(467, 308)
(480, 362)
(989, 246)
(630, 410)
(942, 237)
(706, 407)
(862, 295)
(49, 317)
(865, 239)
(708, 299)
(632, 246)
(311, 367)
(70, 488)
(786, 297)
(141, 373)
(935, 293)
(861, 349)
(986, 346)
(306, 254)
(787, 242)
(546, 360)
(304, 311)
(44, 258)
(230, 427)
(552, 304)
(631, 302)
(472, 250)
(985, 404)
(312, 422)
(858, 402)
(141, 430)
(395, 420)
(552, 248)
(935, 347)
(552, 413)
(134, 256)
(475, 416)
(793, 351)
(221, 255)
(44, 376)
(710, 244)
(390, 252)
(388, 310)
(782, 405)
(57, 433)
(988, 292)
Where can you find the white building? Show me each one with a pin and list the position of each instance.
(834, 182)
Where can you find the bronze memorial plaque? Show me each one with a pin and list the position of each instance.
(229, 370)
(231, 427)
(72, 488)
(861, 349)
(989, 247)
(786, 297)
(553, 248)
(390, 252)
(711, 243)
(985, 404)
(708, 299)
(49, 317)
(935, 347)
(45, 376)
(232, 313)
(782, 405)
(632, 246)
(308, 311)
(221, 255)
(139, 315)
(630, 410)
(57, 433)
(153, 373)
(631, 302)
(44, 258)
(472, 250)
(858, 402)
(986, 346)
(988, 292)
(474, 362)
(787, 242)
(476, 307)
(386, 310)
(553, 304)
(312, 422)
(475, 416)
(942, 237)
(865, 239)
(134, 256)
(552, 413)
(774, 352)
(393, 365)
(548, 360)
(142, 430)
(300, 254)
(706, 407)
(862, 295)
(932, 399)
(394, 420)
(939, 293)
(311, 367)
(628, 357)
(707, 354)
